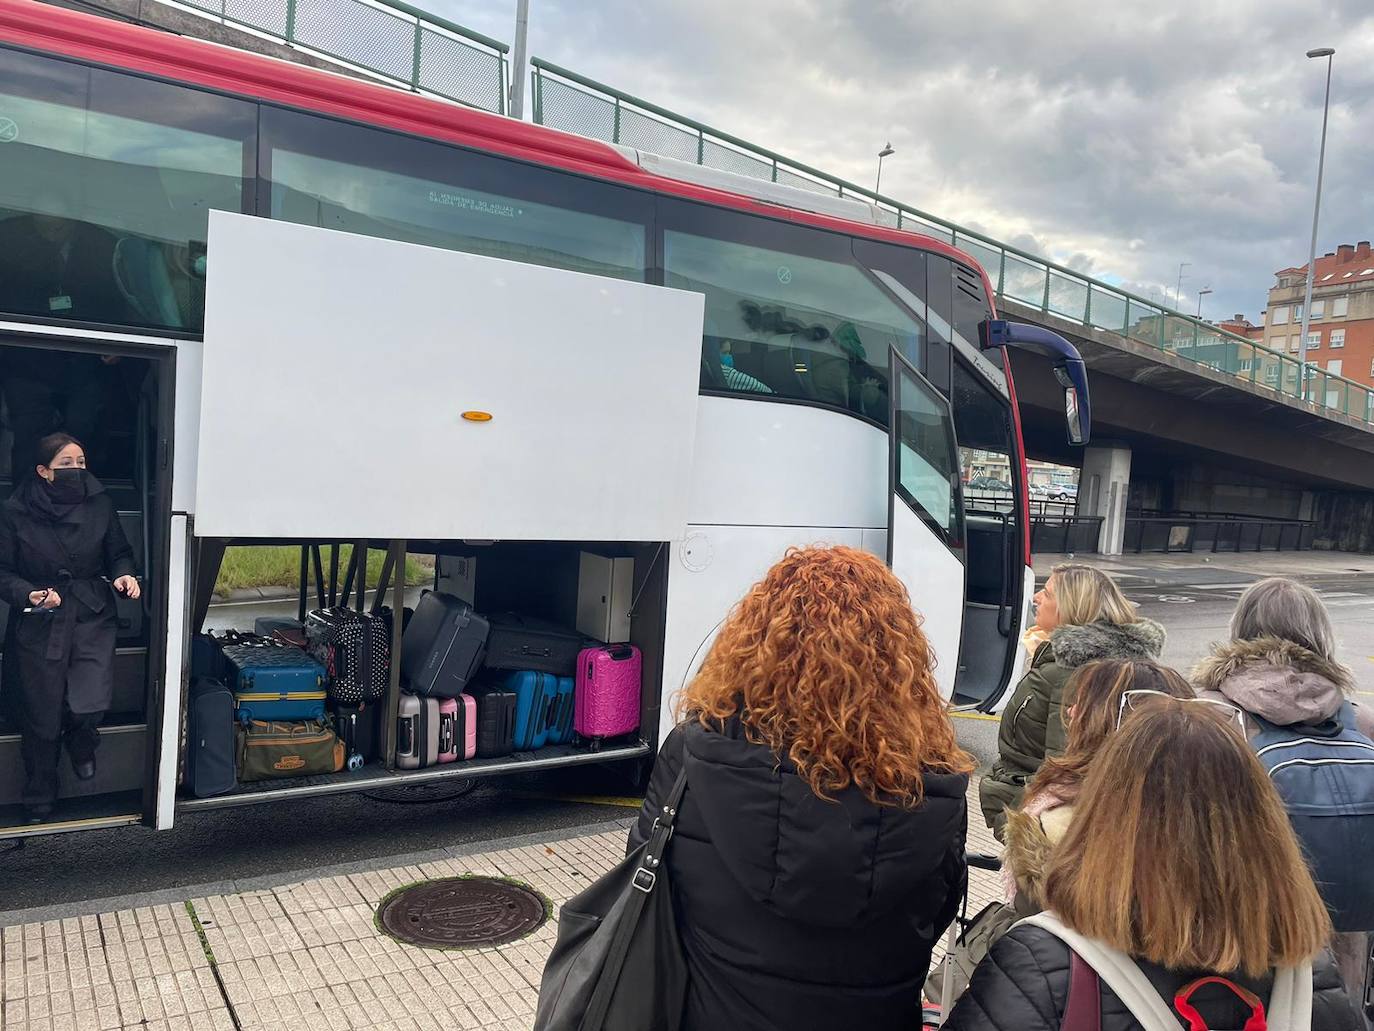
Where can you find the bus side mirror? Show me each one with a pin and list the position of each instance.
(1069, 369)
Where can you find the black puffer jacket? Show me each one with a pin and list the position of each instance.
(797, 913)
(1023, 985)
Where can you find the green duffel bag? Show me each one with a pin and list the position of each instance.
(267, 750)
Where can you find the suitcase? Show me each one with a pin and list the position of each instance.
(495, 720)
(606, 702)
(560, 721)
(358, 728)
(298, 748)
(274, 683)
(442, 647)
(524, 643)
(457, 728)
(417, 732)
(206, 658)
(210, 739)
(355, 650)
(267, 626)
(535, 695)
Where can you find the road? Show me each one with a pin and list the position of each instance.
(285, 839)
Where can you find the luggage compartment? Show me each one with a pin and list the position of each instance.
(516, 714)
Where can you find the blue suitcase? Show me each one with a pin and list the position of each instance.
(274, 683)
(560, 721)
(535, 693)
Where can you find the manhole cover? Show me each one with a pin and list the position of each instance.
(461, 912)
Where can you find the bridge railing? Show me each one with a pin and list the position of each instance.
(399, 43)
(575, 103)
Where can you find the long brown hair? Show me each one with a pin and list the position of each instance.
(1095, 692)
(1180, 852)
(824, 662)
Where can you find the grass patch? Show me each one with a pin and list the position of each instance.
(246, 567)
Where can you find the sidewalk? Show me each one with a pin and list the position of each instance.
(307, 954)
(1182, 567)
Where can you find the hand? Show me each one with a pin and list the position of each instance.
(46, 599)
(127, 586)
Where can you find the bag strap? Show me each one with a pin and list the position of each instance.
(1290, 1001)
(1118, 970)
(642, 884)
(1083, 1012)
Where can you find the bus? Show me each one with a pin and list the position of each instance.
(285, 308)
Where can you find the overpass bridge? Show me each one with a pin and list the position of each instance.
(1186, 416)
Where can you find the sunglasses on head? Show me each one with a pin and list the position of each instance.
(1130, 699)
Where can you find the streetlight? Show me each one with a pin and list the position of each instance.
(885, 152)
(1200, 295)
(1328, 53)
(517, 73)
(1179, 287)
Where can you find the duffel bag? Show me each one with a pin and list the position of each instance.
(268, 750)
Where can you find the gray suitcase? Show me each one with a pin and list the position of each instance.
(417, 732)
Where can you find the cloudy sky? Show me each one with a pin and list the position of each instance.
(1121, 138)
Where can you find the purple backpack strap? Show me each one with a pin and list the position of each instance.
(1083, 1011)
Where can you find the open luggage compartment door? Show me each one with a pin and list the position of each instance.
(346, 380)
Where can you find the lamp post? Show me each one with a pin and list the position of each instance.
(517, 70)
(1178, 287)
(1329, 54)
(885, 152)
(1200, 295)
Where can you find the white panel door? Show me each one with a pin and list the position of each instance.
(337, 370)
(925, 538)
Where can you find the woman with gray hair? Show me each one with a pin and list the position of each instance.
(1280, 667)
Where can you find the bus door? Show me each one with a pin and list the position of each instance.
(926, 539)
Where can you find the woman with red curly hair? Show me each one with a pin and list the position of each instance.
(819, 849)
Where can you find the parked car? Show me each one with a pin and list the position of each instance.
(989, 483)
(1064, 491)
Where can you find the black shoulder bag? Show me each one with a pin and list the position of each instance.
(618, 964)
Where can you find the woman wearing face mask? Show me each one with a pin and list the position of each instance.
(61, 551)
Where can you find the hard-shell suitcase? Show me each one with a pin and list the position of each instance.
(524, 643)
(274, 683)
(358, 727)
(607, 692)
(495, 720)
(560, 721)
(443, 646)
(417, 732)
(535, 694)
(210, 739)
(355, 650)
(457, 728)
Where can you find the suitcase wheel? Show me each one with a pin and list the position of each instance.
(355, 761)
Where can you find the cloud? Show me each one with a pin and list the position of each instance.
(1120, 139)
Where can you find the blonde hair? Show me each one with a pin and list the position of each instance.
(1180, 852)
(824, 662)
(1086, 595)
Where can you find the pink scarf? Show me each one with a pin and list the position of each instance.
(1042, 803)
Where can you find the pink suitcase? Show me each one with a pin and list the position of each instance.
(457, 728)
(606, 696)
(449, 731)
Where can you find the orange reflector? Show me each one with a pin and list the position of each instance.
(477, 416)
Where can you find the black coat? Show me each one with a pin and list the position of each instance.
(1023, 985)
(43, 277)
(798, 913)
(68, 653)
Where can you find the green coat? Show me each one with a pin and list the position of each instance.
(1033, 722)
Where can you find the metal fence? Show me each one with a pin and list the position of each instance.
(566, 100)
(1216, 533)
(391, 39)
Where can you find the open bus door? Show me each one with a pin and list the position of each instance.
(925, 536)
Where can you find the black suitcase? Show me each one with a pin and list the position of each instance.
(354, 648)
(495, 720)
(359, 728)
(518, 643)
(442, 647)
(210, 739)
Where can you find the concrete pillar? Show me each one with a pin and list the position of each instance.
(1103, 487)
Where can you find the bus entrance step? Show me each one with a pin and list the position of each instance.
(120, 764)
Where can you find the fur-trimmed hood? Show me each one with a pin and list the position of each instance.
(1031, 841)
(1278, 680)
(1078, 645)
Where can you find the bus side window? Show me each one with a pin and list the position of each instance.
(106, 190)
(990, 468)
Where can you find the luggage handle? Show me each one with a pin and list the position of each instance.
(620, 652)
